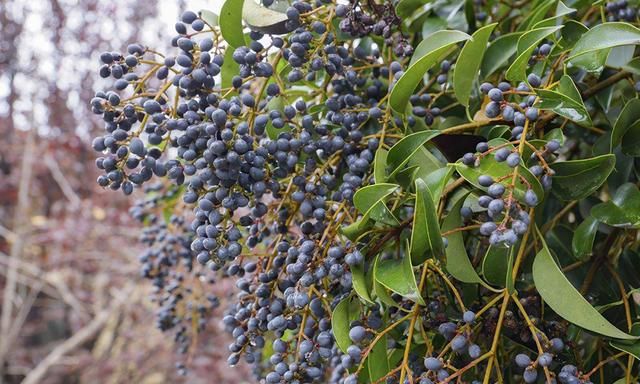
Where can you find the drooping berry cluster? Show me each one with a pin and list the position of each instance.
(273, 154)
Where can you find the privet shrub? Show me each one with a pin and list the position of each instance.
(402, 191)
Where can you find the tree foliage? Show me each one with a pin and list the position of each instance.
(405, 191)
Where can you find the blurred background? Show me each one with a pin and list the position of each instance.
(74, 308)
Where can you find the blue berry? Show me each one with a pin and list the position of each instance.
(530, 375)
(545, 359)
(469, 317)
(474, 351)
(513, 160)
(522, 360)
(482, 147)
(432, 363)
(531, 113)
(534, 80)
(459, 343)
(357, 334)
(495, 94)
(485, 180)
(496, 190)
(530, 198)
(501, 154)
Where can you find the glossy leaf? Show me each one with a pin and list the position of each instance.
(632, 348)
(465, 73)
(398, 276)
(369, 200)
(380, 165)
(437, 180)
(604, 36)
(360, 284)
(429, 52)
(629, 115)
(229, 69)
(230, 21)
(499, 52)
(488, 166)
(498, 264)
(526, 44)
(566, 102)
(425, 235)
(263, 19)
(561, 10)
(631, 140)
(343, 314)
(404, 149)
(623, 210)
(406, 8)
(458, 262)
(577, 179)
(379, 289)
(536, 14)
(565, 300)
(208, 17)
(377, 360)
(571, 33)
(583, 238)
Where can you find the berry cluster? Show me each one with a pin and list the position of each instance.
(621, 10)
(272, 155)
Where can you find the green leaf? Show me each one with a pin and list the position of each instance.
(629, 115)
(426, 161)
(620, 56)
(263, 19)
(208, 17)
(433, 24)
(571, 33)
(498, 264)
(229, 69)
(379, 289)
(604, 36)
(231, 22)
(631, 140)
(427, 54)
(377, 360)
(466, 70)
(583, 238)
(633, 66)
(426, 240)
(499, 52)
(623, 210)
(458, 262)
(343, 314)
(565, 300)
(577, 179)
(526, 44)
(488, 166)
(369, 200)
(632, 348)
(536, 14)
(380, 165)
(360, 283)
(437, 180)
(561, 10)
(397, 275)
(404, 149)
(566, 102)
(406, 8)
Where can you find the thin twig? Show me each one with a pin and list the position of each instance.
(20, 229)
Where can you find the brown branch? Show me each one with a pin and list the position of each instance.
(78, 338)
(21, 229)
